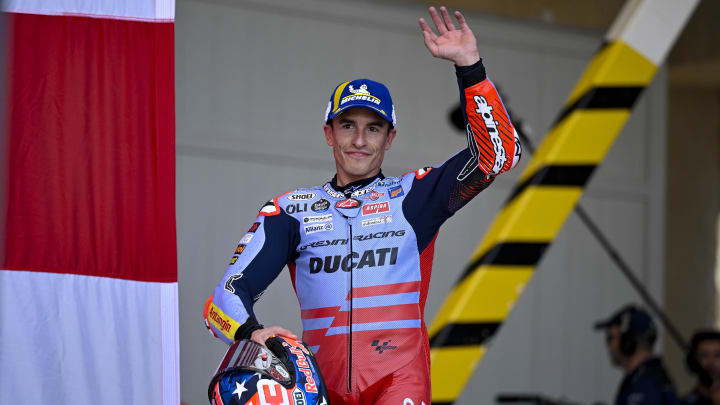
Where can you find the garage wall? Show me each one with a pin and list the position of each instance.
(253, 79)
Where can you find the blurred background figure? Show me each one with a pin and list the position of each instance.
(703, 360)
(630, 337)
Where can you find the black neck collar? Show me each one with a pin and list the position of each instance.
(355, 185)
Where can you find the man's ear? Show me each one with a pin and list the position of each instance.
(328, 134)
(391, 137)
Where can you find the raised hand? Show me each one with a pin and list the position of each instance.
(453, 44)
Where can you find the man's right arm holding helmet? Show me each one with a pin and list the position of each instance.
(261, 254)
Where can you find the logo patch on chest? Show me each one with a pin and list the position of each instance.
(376, 208)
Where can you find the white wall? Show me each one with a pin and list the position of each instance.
(253, 79)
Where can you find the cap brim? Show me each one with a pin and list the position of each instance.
(368, 106)
(604, 324)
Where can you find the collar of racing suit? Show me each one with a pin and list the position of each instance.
(355, 185)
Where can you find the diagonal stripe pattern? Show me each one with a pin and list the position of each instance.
(537, 208)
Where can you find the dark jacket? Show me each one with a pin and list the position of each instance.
(648, 384)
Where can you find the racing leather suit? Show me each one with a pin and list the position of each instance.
(360, 256)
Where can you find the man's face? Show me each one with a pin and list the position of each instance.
(359, 138)
(612, 338)
(708, 355)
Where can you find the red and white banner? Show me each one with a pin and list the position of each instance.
(88, 278)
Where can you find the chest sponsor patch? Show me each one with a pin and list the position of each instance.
(247, 238)
(240, 249)
(318, 228)
(376, 208)
(388, 182)
(385, 219)
(254, 227)
(301, 196)
(374, 195)
(396, 192)
(321, 205)
(313, 219)
(348, 203)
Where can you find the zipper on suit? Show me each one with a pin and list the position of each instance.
(350, 348)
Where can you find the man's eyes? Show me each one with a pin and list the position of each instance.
(351, 126)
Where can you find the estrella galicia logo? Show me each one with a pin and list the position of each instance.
(396, 192)
(320, 205)
(381, 348)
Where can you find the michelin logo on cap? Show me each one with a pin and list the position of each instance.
(361, 93)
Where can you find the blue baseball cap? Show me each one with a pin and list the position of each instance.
(361, 93)
(630, 319)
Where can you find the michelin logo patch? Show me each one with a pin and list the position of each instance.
(318, 228)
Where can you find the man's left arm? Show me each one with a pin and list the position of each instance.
(493, 144)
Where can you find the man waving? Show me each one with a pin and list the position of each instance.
(360, 247)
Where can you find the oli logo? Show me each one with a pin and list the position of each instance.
(293, 208)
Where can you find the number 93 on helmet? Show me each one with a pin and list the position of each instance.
(284, 373)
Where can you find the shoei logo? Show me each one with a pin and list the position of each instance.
(301, 197)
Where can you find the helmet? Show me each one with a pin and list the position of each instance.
(283, 373)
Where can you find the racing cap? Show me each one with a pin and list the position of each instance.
(361, 93)
(630, 319)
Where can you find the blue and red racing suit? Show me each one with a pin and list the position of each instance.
(360, 257)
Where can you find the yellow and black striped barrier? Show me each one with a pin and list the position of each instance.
(547, 192)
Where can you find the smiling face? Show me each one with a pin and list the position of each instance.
(359, 138)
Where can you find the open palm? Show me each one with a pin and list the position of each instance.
(451, 43)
